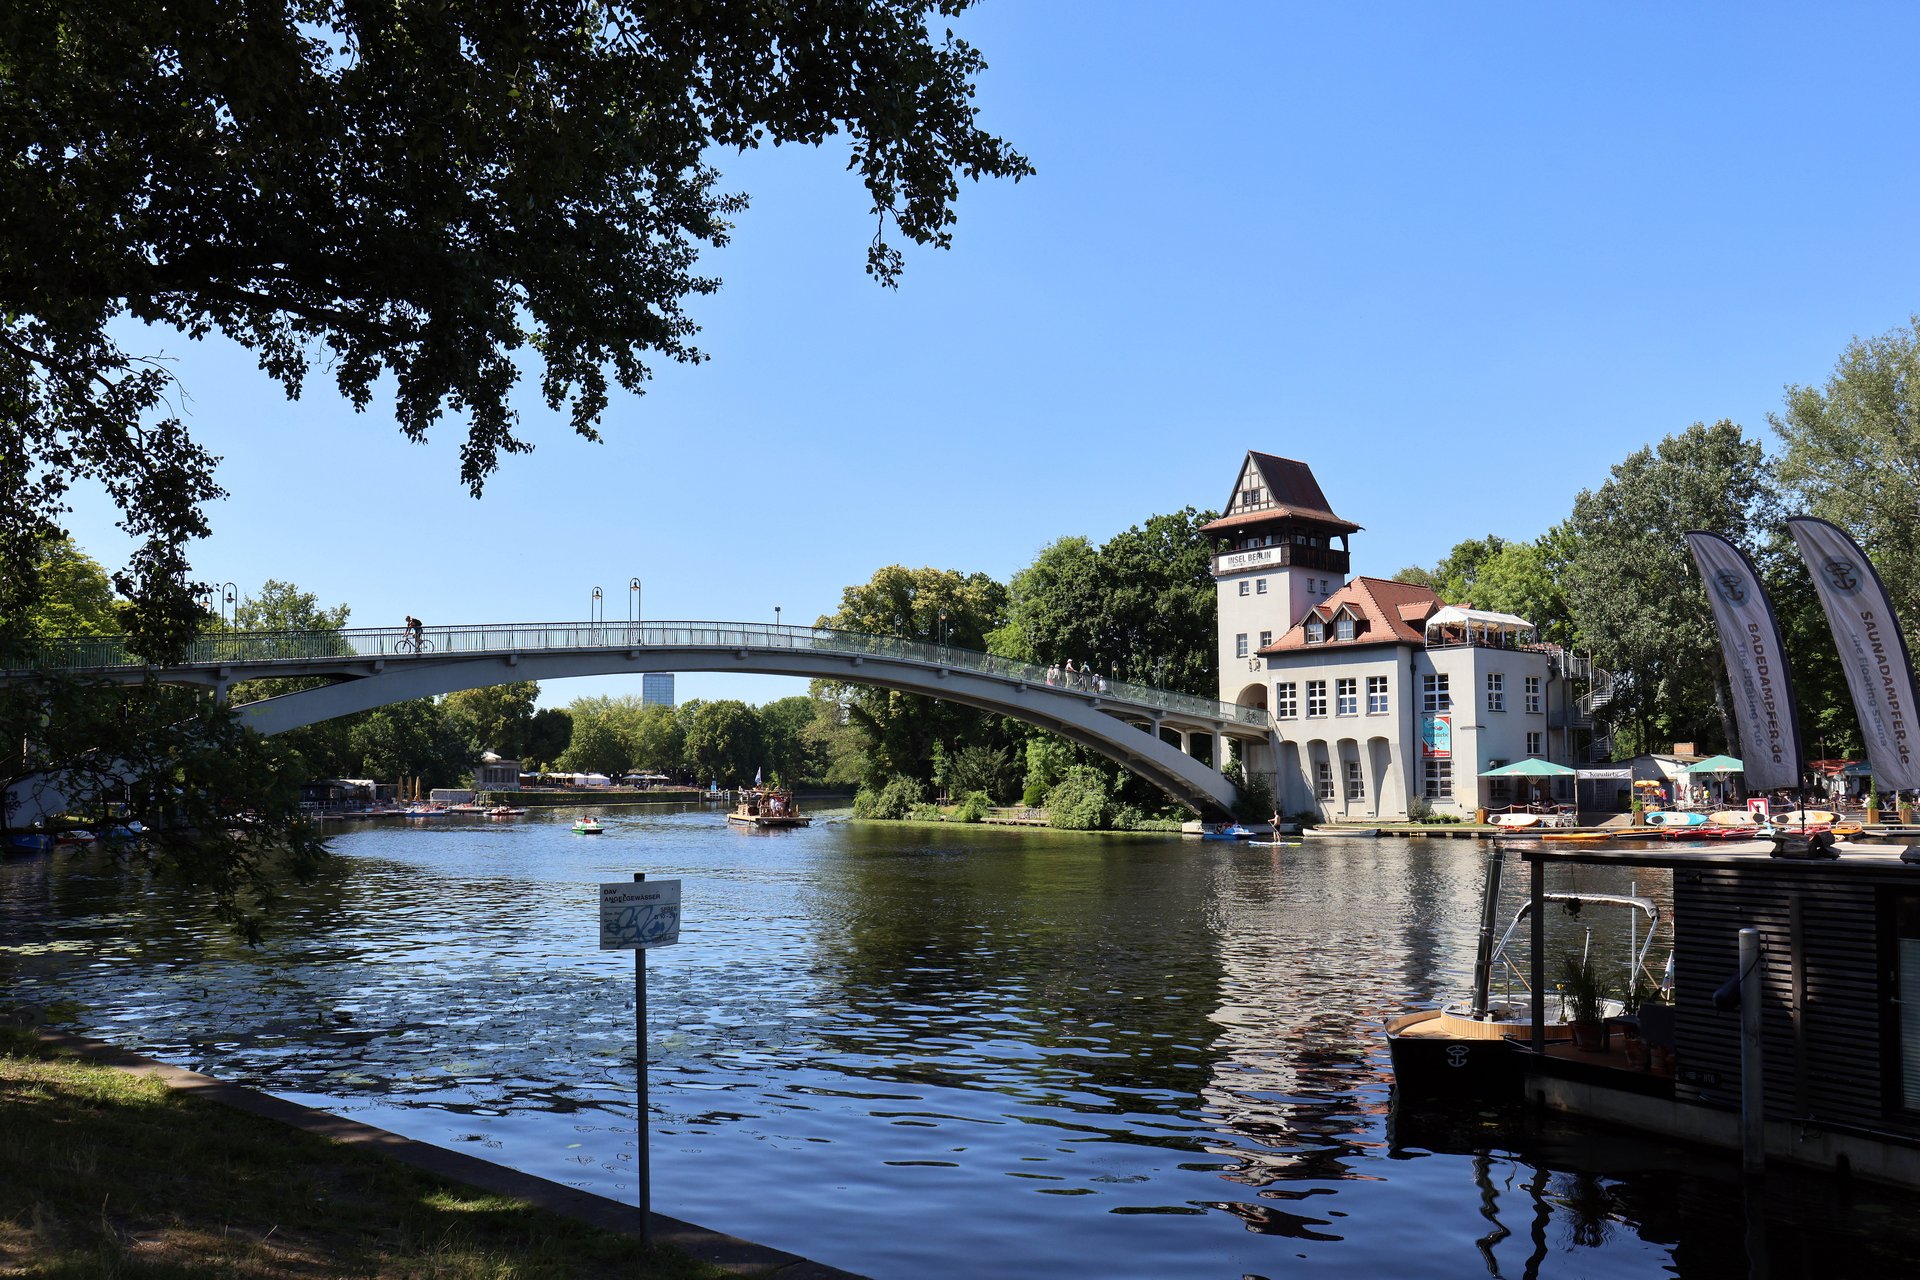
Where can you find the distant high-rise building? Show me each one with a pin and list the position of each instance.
(656, 689)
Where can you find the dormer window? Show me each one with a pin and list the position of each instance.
(1343, 629)
(1316, 631)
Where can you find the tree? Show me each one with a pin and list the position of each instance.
(724, 741)
(325, 748)
(1632, 590)
(1851, 454)
(927, 605)
(548, 734)
(599, 744)
(76, 595)
(657, 741)
(495, 718)
(430, 194)
(408, 740)
(789, 754)
(1521, 578)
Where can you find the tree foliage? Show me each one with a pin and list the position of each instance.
(428, 196)
(1632, 590)
(1851, 454)
(494, 718)
(725, 742)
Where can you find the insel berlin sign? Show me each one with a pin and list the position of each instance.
(644, 913)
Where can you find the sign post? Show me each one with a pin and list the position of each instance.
(634, 917)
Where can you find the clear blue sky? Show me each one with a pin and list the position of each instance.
(1459, 258)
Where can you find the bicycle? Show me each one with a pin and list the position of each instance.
(408, 644)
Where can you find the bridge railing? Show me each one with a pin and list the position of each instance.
(238, 648)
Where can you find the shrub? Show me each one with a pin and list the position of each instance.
(926, 813)
(1078, 802)
(1255, 801)
(1419, 809)
(973, 808)
(1035, 794)
(892, 802)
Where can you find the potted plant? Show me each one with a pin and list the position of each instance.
(1639, 812)
(1906, 809)
(1873, 802)
(1583, 995)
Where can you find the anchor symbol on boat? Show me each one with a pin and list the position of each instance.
(1456, 1055)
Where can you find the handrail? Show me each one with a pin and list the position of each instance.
(103, 653)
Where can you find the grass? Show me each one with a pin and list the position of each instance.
(109, 1173)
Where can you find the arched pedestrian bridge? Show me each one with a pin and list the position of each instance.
(1152, 732)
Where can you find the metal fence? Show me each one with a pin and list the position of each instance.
(250, 647)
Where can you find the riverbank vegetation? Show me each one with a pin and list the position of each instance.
(107, 1173)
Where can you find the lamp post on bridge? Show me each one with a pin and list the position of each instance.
(229, 603)
(633, 599)
(596, 609)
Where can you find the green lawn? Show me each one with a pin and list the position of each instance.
(109, 1173)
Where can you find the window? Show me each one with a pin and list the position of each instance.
(1286, 704)
(1376, 695)
(1316, 631)
(1243, 586)
(1323, 780)
(1497, 787)
(1534, 743)
(1496, 691)
(1343, 629)
(1346, 696)
(1316, 699)
(1533, 693)
(1266, 638)
(1356, 785)
(1434, 696)
(1259, 586)
(1240, 645)
(1439, 780)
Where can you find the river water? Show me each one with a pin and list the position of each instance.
(918, 1052)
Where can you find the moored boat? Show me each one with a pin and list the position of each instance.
(505, 811)
(1324, 833)
(1467, 1050)
(768, 807)
(1675, 818)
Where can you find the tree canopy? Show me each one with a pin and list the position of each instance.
(426, 197)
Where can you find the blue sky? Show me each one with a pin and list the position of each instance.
(1459, 258)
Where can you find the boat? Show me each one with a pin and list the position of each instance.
(505, 811)
(766, 807)
(1350, 832)
(423, 811)
(1675, 818)
(78, 835)
(469, 808)
(1231, 832)
(1570, 836)
(587, 827)
(1469, 1050)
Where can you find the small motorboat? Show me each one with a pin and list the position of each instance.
(505, 811)
(587, 827)
(1359, 833)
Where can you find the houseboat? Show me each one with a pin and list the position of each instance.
(768, 807)
(1839, 1025)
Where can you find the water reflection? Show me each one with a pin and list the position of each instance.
(990, 1052)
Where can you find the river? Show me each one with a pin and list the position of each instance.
(930, 1053)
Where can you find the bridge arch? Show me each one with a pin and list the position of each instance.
(370, 668)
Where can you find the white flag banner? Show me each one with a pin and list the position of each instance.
(1872, 650)
(1756, 663)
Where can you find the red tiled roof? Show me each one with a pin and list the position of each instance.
(1296, 496)
(1391, 613)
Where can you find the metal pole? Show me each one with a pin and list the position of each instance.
(642, 1163)
(1489, 907)
(1753, 1133)
(1538, 1013)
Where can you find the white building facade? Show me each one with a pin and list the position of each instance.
(1379, 692)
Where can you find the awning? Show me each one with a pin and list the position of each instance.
(1717, 764)
(1456, 615)
(1530, 769)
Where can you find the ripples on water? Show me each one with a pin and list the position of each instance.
(925, 1054)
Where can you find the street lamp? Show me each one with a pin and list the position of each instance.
(633, 598)
(230, 602)
(597, 607)
(776, 617)
(943, 628)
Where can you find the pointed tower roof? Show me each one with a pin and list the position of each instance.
(1290, 493)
